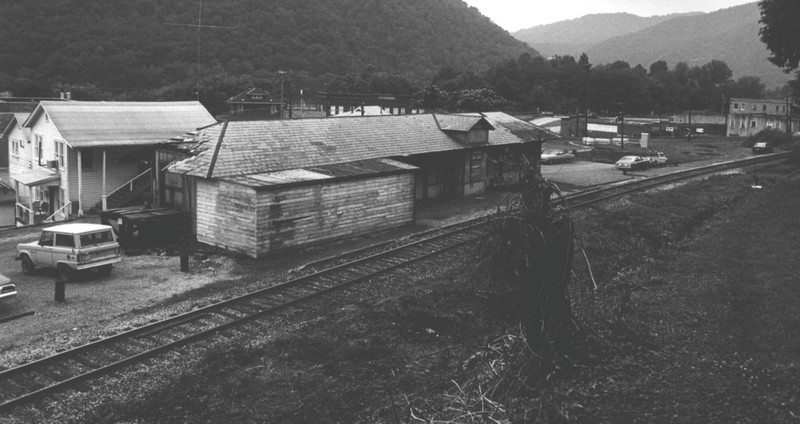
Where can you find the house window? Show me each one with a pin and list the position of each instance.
(15, 147)
(753, 124)
(257, 97)
(764, 108)
(37, 148)
(87, 158)
(755, 107)
(60, 153)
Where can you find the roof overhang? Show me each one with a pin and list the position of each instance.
(38, 177)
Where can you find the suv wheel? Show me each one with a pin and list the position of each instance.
(28, 267)
(64, 272)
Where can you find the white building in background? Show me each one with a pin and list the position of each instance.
(748, 117)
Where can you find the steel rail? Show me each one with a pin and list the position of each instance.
(310, 286)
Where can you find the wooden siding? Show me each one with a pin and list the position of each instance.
(226, 216)
(238, 218)
(308, 214)
(92, 184)
(22, 162)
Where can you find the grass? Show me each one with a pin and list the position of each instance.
(677, 150)
(693, 321)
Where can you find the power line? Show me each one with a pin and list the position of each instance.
(199, 26)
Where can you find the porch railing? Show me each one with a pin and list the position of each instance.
(25, 214)
(50, 218)
(128, 186)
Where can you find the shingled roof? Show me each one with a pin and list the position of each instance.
(89, 124)
(253, 147)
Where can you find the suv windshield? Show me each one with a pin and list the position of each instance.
(96, 238)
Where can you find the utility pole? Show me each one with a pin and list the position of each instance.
(690, 125)
(622, 130)
(788, 119)
(283, 75)
(198, 26)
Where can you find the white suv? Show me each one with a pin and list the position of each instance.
(69, 248)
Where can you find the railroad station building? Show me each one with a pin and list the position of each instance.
(263, 186)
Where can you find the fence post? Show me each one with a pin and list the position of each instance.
(60, 289)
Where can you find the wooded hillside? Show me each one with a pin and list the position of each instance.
(123, 45)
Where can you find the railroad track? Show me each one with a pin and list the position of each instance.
(588, 197)
(70, 368)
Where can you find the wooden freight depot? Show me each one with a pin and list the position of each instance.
(263, 186)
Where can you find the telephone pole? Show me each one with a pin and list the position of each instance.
(199, 25)
(283, 75)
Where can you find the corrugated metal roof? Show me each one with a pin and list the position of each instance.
(85, 124)
(364, 167)
(255, 147)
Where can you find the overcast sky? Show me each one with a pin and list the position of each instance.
(514, 15)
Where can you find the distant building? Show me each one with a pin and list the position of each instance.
(393, 104)
(748, 117)
(607, 129)
(253, 104)
(679, 125)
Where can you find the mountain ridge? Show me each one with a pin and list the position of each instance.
(729, 35)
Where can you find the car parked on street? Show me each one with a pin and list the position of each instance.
(631, 163)
(69, 248)
(7, 289)
(656, 158)
(762, 147)
(556, 156)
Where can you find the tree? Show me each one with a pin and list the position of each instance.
(748, 87)
(658, 67)
(781, 31)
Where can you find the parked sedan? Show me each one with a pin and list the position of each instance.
(631, 163)
(556, 156)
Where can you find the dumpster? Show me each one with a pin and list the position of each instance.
(142, 227)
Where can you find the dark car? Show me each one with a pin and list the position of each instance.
(762, 147)
(631, 163)
(556, 156)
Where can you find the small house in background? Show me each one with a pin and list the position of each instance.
(252, 104)
(69, 157)
(258, 187)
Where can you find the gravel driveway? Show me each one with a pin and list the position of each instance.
(93, 304)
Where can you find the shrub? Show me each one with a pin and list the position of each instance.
(775, 138)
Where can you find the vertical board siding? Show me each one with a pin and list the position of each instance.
(301, 215)
(226, 216)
